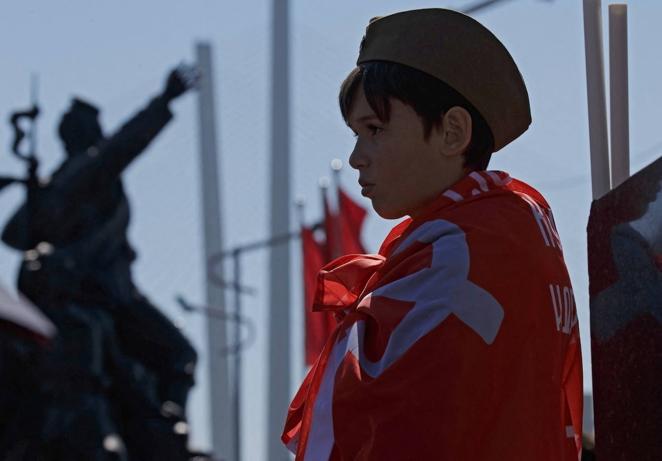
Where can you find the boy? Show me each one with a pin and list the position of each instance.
(459, 339)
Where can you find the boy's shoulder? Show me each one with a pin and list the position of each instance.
(490, 209)
(489, 191)
(506, 211)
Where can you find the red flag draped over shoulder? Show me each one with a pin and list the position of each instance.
(459, 340)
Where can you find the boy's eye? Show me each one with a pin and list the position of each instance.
(372, 129)
(375, 129)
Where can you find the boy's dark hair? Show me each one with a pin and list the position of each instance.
(427, 95)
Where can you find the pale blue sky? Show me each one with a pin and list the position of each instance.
(117, 55)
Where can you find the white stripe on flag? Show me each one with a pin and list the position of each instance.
(454, 196)
(321, 438)
(435, 297)
(495, 177)
(480, 180)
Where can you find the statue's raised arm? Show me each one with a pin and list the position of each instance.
(107, 157)
(94, 162)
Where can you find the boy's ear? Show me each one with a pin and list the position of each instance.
(456, 128)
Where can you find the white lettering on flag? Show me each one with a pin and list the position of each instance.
(565, 312)
(545, 223)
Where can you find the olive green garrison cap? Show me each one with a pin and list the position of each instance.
(462, 53)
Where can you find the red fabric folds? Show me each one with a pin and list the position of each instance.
(318, 325)
(342, 231)
(459, 340)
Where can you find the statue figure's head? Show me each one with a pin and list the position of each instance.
(79, 127)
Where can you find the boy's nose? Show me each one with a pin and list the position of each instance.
(357, 159)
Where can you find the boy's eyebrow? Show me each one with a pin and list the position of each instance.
(363, 118)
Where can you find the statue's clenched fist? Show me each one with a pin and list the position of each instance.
(180, 80)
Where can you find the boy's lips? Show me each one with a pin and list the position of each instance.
(366, 188)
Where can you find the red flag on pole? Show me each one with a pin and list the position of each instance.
(343, 228)
(319, 325)
(350, 222)
(343, 236)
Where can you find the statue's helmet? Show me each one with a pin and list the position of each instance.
(79, 127)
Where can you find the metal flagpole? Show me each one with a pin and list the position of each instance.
(597, 106)
(279, 262)
(336, 166)
(331, 240)
(222, 426)
(618, 94)
(300, 204)
(236, 387)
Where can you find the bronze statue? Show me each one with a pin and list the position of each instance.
(116, 382)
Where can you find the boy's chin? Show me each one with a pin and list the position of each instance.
(388, 213)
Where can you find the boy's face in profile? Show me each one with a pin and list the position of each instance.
(399, 170)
